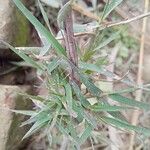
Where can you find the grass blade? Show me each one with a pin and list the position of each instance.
(104, 107)
(103, 71)
(68, 95)
(90, 85)
(25, 57)
(50, 38)
(86, 134)
(110, 6)
(108, 40)
(63, 13)
(69, 100)
(44, 16)
(35, 128)
(126, 126)
(25, 112)
(46, 45)
(130, 102)
(79, 95)
(53, 65)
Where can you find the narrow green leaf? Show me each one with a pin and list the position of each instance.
(73, 132)
(86, 134)
(130, 102)
(54, 120)
(29, 121)
(90, 85)
(39, 98)
(91, 67)
(86, 81)
(69, 100)
(63, 13)
(42, 120)
(104, 107)
(103, 71)
(39, 104)
(126, 126)
(68, 95)
(79, 95)
(46, 45)
(44, 16)
(83, 115)
(50, 38)
(107, 41)
(77, 108)
(53, 65)
(25, 112)
(118, 115)
(34, 118)
(25, 57)
(30, 50)
(110, 6)
(38, 125)
(105, 9)
(122, 91)
(64, 131)
(87, 55)
(90, 119)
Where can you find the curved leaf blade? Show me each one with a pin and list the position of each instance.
(130, 102)
(106, 107)
(126, 126)
(110, 6)
(48, 35)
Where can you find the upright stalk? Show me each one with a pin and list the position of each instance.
(138, 97)
(70, 43)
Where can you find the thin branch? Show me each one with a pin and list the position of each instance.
(124, 15)
(78, 34)
(113, 24)
(130, 20)
(138, 97)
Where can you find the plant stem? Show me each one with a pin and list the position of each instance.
(138, 97)
(70, 43)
